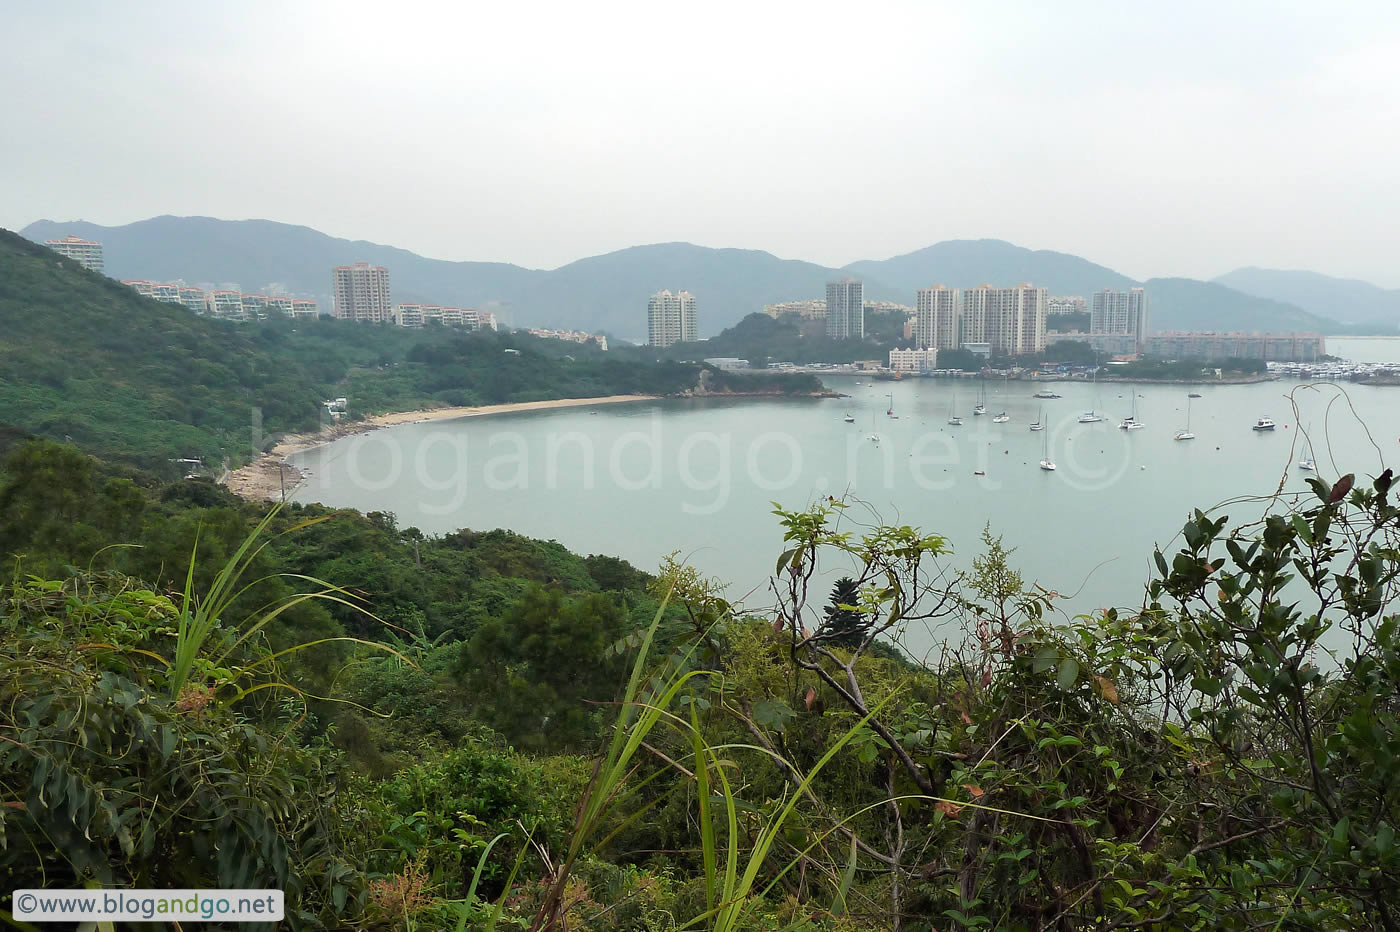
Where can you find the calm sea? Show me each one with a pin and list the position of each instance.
(699, 477)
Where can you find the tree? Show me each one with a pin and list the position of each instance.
(540, 671)
(845, 623)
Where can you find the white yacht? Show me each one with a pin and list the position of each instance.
(1186, 434)
(1131, 422)
(1308, 464)
(1046, 463)
(1264, 423)
(1001, 418)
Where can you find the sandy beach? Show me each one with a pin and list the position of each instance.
(263, 479)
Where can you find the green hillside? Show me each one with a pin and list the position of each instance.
(87, 360)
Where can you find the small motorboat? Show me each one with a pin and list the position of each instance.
(1001, 418)
(1264, 423)
(850, 419)
(1194, 395)
(955, 421)
(1089, 417)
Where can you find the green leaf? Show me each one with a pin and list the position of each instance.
(1067, 672)
(773, 713)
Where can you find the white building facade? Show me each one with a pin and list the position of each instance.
(913, 360)
(936, 318)
(671, 318)
(362, 292)
(1120, 312)
(85, 252)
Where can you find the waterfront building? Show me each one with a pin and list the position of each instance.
(914, 360)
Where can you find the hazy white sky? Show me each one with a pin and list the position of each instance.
(1181, 138)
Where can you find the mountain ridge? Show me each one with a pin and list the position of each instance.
(1347, 300)
(608, 292)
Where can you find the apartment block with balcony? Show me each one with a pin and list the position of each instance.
(226, 305)
(807, 310)
(85, 252)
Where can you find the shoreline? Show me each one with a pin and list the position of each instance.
(264, 477)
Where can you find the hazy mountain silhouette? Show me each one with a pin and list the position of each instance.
(966, 263)
(1347, 300)
(609, 292)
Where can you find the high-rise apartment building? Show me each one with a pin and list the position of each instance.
(936, 318)
(845, 310)
(671, 318)
(1011, 320)
(87, 253)
(1120, 312)
(362, 293)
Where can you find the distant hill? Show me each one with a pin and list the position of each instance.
(1346, 300)
(1188, 304)
(255, 253)
(608, 292)
(1176, 303)
(966, 263)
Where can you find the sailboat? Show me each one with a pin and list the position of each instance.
(1308, 464)
(953, 419)
(1046, 463)
(890, 412)
(874, 435)
(1092, 416)
(1131, 422)
(1039, 421)
(981, 406)
(1186, 434)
